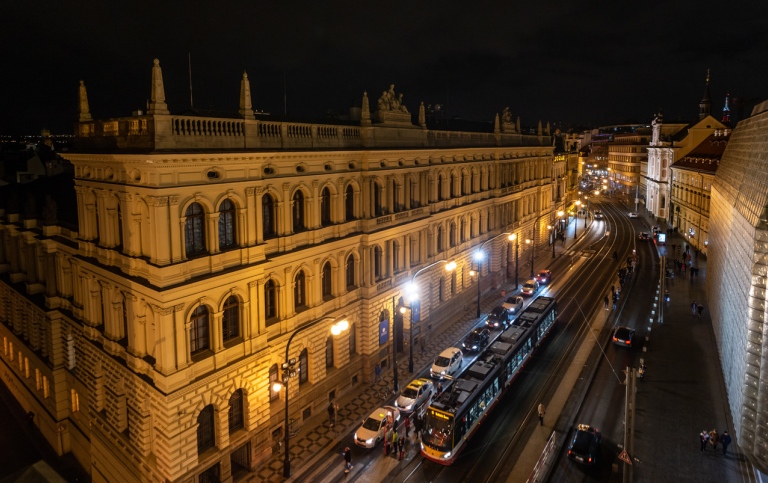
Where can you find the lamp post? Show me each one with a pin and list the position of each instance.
(413, 298)
(529, 241)
(552, 238)
(288, 372)
(480, 256)
(516, 239)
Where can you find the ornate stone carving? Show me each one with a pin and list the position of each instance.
(250, 191)
(389, 101)
(161, 310)
(173, 199)
(157, 200)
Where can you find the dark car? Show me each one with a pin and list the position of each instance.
(544, 276)
(644, 236)
(598, 215)
(623, 336)
(585, 445)
(499, 317)
(476, 340)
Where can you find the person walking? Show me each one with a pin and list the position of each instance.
(704, 438)
(407, 426)
(700, 308)
(395, 439)
(377, 371)
(714, 438)
(401, 445)
(418, 424)
(605, 301)
(542, 411)
(347, 459)
(693, 308)
(725, 439)
(332, 407)
(439, 389)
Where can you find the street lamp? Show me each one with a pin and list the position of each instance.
(529, 241)
(552, 238)
(513, 237)
(479, 255)
(415, 305)
(289, 370)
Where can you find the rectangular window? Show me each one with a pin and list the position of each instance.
(26, 367)
(38, 379)
(10, 350)
(46, 387)
(74, 401)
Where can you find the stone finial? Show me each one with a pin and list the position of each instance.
(365, 110)
(538, 131)
(548, 131)
(85, 112)
(517, 124)
(496, 126)
(246, 109)
(422, 115)
(157, 105)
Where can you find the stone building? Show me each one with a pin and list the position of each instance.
(736, 282)
(147, 340)
(691, 188)
(626, 154)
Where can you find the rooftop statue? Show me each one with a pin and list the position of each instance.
(389, 101)
(506, 116)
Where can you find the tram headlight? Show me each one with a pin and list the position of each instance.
(447, 455)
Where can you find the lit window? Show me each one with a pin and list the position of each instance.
(74, 401)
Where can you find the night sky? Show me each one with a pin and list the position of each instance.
(580, 64)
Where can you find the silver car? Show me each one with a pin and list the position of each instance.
(514, 304)
(415, 394)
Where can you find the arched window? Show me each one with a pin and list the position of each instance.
(329, 352)
(236, 419)
(454, 191)
(299, 290)
(351, 272)
(453, 283)
(226, 224)
(440, 188)
(303, 367)
(206, 438)
(413, 194)
(270, 301)
(472, 232)
(268, 217)
(440, 243)
(325, 207)
(352, 340)
(230, 321)
(349, 204)
(440, 294)
(377, 274)
(463, 231)
(273, 375)
(396, 256)
(199, 339)
(452, 235)
(298, 212)
(327, 280)
(194, 229)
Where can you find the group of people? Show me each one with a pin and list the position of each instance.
(713, 438)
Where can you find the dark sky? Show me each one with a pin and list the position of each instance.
(573, 62)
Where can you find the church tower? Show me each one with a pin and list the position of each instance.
(705, 106)
(726, 119)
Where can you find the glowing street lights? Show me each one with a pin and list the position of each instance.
(415, 306)
(479, 256)
(289, 370)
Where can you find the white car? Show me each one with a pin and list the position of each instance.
(633, 214)
(374, 429)
(530, 287)
(447, 363)
(514, 304)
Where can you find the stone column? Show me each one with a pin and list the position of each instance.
(248, 227)
(183, 237)
(258, 221)
(286, 297)
(177, 239)
(217, 338)
(167, 337)
(314, 212)
(105, 233)
(158, 220)
(212, 231)
(407, 252)
(285, 211)
(389, 254)
(131, 232)
(258, 314)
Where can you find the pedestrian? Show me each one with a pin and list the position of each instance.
(439, 389)
(347, 459)
(395, 438)
(419, 423)
(726, 440)
(615, 299)
(407, 426)
(377, 371)
(693, 308)
(542, 411)
(704, 438)
(700, 308)
(332, 412)
(605, 301)
(613, 289)
(714, 438)
(401, 444)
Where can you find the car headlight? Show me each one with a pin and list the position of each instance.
(442, 372)
(408, 407)
(369, 441)
(474, 347)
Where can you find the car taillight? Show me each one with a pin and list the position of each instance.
(589, 460)
(626, 342)
(569, 452)
(615, 339)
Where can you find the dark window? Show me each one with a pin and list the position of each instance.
(329, 352)
(396, 256)
(349, 204)
(453, 187)
(327, 280)
(298, 211)
(303, 367)
(440, 187)
(236, 419)
(439, 238)
(206, 438)
(452, 235)
(377, 263)
(352, 339)
(226, 224)
(377, 208)
(211, 475)
(268, 216)
(412, 188)
(273, 375)
(299, 290)
(230, 322)
(198, 330)
(453, 283)
(351, 271)
(325, 207)
(194, 229)
(463, 231)
(270, 300)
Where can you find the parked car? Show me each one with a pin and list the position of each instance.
(632, 214)
(498, 318)
(514, 304)
(644, 236)
(447, 363)
(530, 287)
(585, 445)
(418, 392)
(374, 428)
(477, 339)
(544, 276)
(623, 336)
